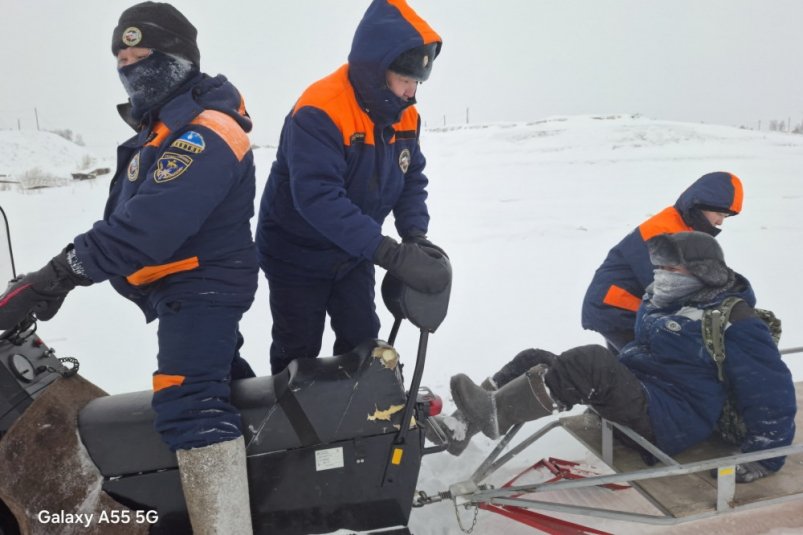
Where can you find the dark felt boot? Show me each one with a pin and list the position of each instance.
(521, 400)
(457, 428)
(522, 362)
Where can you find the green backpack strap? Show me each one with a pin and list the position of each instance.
(773, 323)
(715, 320)
(731, 426)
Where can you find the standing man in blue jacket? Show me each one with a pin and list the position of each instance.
(349, 155)
(614, 295)
(175, 239)
(664, 384)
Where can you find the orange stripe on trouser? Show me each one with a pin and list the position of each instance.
(621, 298)
(162, 381)
(150, 274)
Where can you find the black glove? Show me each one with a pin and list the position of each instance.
(420, 268)
(423, 241)
(41, 292)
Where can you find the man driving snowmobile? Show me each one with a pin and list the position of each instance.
(175, 238)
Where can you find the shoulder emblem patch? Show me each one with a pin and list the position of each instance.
(169, 166)
(190, 141)
(404, 160)
(133, 168)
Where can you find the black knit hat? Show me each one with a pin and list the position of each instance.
(416, 62)
(159, 26)
(696, 251)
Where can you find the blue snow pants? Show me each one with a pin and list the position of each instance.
(299, 305)
(198, 357)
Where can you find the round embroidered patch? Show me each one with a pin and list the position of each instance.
(133, 168)
(404, 160)
(132, 36)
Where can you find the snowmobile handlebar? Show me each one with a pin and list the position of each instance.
(425, 311)
(7, 230)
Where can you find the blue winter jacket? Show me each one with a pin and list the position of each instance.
(615, 292)
(176, 224)
(348, 155)
(680, 377)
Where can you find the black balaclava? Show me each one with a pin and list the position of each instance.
(151, 81)
(699, 222)
(174, 59)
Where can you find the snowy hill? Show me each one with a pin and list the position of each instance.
(526, 211)
(31, 159)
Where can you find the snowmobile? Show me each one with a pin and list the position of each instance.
(332, 443)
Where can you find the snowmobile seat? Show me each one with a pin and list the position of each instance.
(314, 401)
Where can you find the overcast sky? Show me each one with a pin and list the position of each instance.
(731, 62)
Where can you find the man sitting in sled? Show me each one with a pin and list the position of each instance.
(664, 385)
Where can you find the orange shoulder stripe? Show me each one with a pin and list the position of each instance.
(738, 194)
(150, 274)
(409, 120)
(227, 128)
(241, 110)
(162, 381)
(160, 131)
(667, 221)
(621, 298)
(407, 123)
(334, 96)
(424, 30)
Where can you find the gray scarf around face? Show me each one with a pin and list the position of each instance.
(669, 287)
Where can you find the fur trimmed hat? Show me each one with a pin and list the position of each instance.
(696, 251)
(159, 26)
(416, 62)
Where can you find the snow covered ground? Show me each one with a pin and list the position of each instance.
(526, 212)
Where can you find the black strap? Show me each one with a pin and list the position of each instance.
(292, 409)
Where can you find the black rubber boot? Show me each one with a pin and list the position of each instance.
(521, 400)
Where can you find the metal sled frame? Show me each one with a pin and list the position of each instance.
(681, 488)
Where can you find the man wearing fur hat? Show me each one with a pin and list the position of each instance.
(664, 385)
(348, 156)
(614, 294)
(175, 239)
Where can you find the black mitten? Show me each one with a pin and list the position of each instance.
(40, 292)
